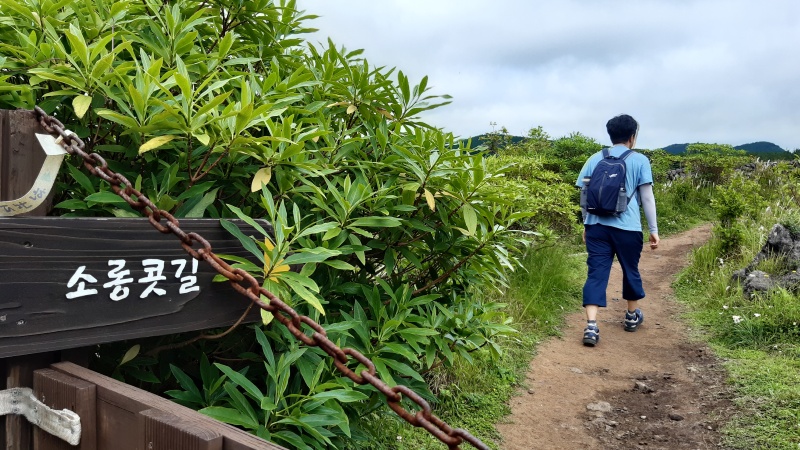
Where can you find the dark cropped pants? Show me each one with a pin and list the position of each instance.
(602, 244)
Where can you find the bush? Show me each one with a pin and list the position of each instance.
(713, 163)
(215, 110)
(530, 188)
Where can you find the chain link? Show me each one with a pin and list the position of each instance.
(247, 285)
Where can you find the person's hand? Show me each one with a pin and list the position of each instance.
(584, 235)
(654, 240)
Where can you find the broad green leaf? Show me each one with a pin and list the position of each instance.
(470, 218)
(403, 369)
(184, 380)
(311, 255)
(398, 349)
(105, 197)
(374, 221)
(202, 137)
(229, 415)
(118, 212)
(74, 204)
(241, 381)
(341, 396)
(339, 265)
(118, 118)
(323, 227)
(199, 209)
(246, 241)
(248, 220)
(305, 294)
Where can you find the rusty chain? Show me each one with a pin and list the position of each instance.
(248, 286)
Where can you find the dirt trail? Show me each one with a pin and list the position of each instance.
(653, 389)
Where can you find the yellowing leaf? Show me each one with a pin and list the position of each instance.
(130, 354)
(431, 201)
(385, 113)
(261, 177)
(81, 104)
(315, 139)
(279, 267)
(156, 142)
(351, 109)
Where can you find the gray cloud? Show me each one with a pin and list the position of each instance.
(689, 70)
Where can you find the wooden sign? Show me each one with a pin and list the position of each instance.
(69, 282)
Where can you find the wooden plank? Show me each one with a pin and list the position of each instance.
(60, 391)
(119, 404)
(19, 433)
(21, 155)
(164, 431)
(58, 275)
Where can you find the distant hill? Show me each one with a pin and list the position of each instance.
(762, 149)
(676, 149)
(754, 148)
(481, 139)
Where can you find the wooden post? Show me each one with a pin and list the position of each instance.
(19, 433)
(60, 391)
(21, 158)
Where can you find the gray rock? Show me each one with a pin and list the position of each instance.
(603, 407)
(757, 281)
(676, 417)
(781, 243)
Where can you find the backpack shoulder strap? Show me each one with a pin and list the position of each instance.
(625, 154)
(606, 154)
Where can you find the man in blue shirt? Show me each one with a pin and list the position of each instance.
(619, 236)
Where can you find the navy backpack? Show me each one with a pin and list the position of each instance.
(604, 193)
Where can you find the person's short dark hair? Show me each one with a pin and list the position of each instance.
(621, 128)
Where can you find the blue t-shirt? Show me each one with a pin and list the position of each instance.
(638, 172)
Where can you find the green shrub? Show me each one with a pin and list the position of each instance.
(713, 163)
(531, 189)
(732, 201)
(214, 109)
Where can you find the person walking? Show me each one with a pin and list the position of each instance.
(609, 234)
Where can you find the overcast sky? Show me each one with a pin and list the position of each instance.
(717, 71)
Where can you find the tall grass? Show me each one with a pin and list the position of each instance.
(682, 204)
(758, 336)
(549, 287)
